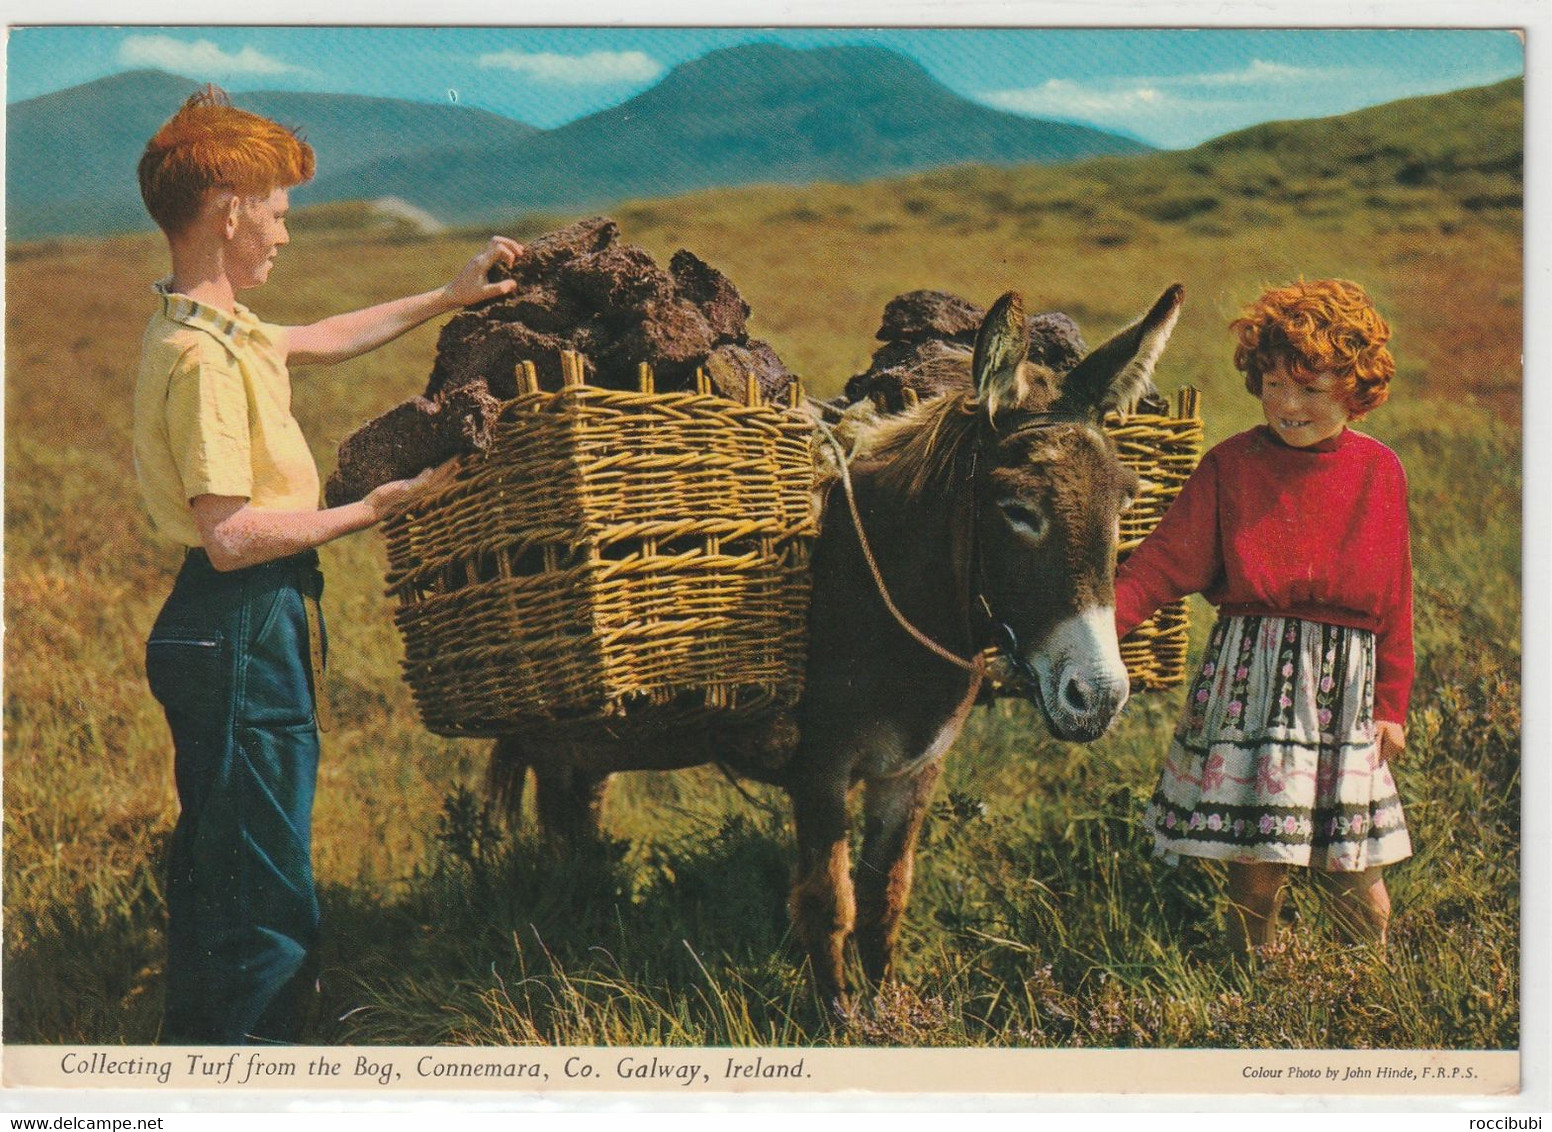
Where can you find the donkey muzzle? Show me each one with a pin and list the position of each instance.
(1080, 679)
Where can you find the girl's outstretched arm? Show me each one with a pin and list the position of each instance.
(1182, 556)
(1395, 660)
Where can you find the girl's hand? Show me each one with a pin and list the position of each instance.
(470, 285)
(400, 495)
(1392, 740)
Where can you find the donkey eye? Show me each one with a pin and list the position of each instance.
(1026, 520)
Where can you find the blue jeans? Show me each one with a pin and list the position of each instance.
(228, 659)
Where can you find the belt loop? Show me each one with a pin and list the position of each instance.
(322, 709)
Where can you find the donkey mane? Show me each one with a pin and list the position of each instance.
(917, 452)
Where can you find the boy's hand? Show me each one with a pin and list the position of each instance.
(470, 284)
(1392, 740)
(395, 496)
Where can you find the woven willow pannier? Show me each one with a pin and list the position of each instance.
(1163, 451)
(615, 559)
(619, 560)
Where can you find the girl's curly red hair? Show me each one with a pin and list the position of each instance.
(1328, 326)
(210, 144)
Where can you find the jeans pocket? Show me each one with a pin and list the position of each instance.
(187, 672)
(276, 678)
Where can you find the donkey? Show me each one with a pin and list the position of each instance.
(987, 516)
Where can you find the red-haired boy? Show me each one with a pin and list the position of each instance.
(235, 654)
(1297, 531)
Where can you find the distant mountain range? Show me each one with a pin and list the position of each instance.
(747, 114)
(71, 155)
(755, 113)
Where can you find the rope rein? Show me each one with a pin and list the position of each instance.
(932, 646)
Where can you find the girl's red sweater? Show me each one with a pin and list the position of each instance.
(1318, 533)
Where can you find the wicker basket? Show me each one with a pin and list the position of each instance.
(625, 561)
(616, 559)
(1163, 451)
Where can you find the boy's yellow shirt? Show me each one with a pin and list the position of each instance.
(213, 416)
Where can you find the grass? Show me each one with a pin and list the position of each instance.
(1039, 918)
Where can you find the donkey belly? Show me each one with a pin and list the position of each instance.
(760, 749)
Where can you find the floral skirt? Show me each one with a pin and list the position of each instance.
(1276, 758)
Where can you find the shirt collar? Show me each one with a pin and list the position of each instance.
(235, 328)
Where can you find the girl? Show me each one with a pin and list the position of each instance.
(1297, 531)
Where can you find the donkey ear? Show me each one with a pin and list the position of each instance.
(1119, 373)
(1001, 345)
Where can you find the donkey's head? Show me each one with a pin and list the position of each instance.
(1049, 492)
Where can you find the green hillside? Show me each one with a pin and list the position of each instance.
(1422, 161)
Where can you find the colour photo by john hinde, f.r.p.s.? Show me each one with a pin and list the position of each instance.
(755, 695)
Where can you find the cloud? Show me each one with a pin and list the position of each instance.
(1152, 95)
(1184, 109)
(1160, 101)
(596, 68)
(1258, 72)
(1063, 98)
(200, 57)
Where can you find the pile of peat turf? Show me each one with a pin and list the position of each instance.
(929, 339)
(579, 289)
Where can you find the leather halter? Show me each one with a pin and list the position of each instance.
(1024, 422)
(1033, 420)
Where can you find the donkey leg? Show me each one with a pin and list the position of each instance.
(893, 811)
(822, 903)
(505, 775)
(570, 803)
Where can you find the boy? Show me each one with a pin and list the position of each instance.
(236, 653)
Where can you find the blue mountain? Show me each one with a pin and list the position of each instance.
(753, 113)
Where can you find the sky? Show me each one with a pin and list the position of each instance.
(1170, 87)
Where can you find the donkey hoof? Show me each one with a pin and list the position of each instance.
(834, 999)
(840, 1008)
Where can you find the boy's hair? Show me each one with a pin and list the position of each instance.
(1328, 326)
(210, 144)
